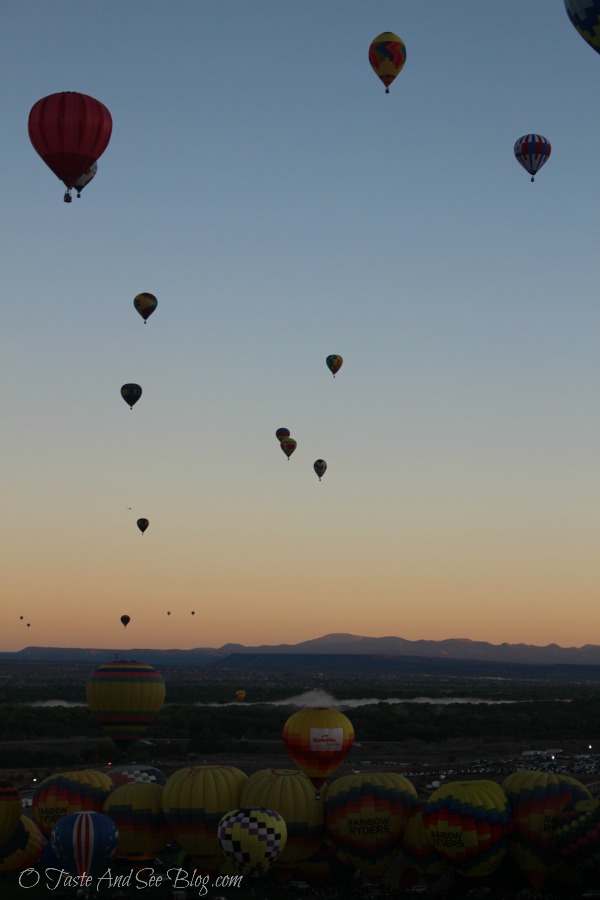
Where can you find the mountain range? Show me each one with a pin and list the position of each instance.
(347, 645)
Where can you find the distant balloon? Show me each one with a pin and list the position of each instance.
(288, 445)
(125, 621)
(29, 624)
(169, 613)
(585, 18)
(320, 467)
(85, 178)
(70, 131)
(145, 304)
(142, 524)
(334, 363)
(282, 433)
(21, 618)
(240, 695)
(193, 612)
(387, 55)
(131, 393)
(532, 152)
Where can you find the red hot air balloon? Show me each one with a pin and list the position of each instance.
(70, 131)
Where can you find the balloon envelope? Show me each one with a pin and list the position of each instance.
(585, 18)
(145, 304)
(131, 393)
(387, 55)
(288, 445)
(125, 697)
(320, 467)
(318, 739)
(125, 620)
(142, 524)
(532, 152)
(252, 839)
(240, 695)
(70, 131)
(136, 810)
(69, 792)
(85, 179)
(334, 363)
(282, 433)
(84, 842)
(23, 848)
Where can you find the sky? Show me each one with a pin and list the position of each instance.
(282, 207)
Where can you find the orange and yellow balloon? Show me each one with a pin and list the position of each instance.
(318, 739)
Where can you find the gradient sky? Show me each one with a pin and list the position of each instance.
(282, 207)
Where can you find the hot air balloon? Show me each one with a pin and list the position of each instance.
(142, 524)
(282, 433)
(125, 620)
(469, 823)
(131, 393)
(532, 151)
(23, 848)
(366, 815)
(387, 55)
(240, 695)
(290, 793)
(320, 467)
(334, 363)
(194, 800)
(84, 842)
(585, 18)
(578, 838)
(85, 178)
(288, 445)
(10, 810)
(145, 304)
(135, 774)
(70, 131)
(318, 739)
(252, 839)
(137, 812)
(539, 801)
(125, 697)
(69, 792)
(418, 848)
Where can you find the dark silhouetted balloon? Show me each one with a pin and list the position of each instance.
(145, 304)
(334, 363)
(131, 393)
(320, 467)
(70, 131)
(125, 621)
(282, 433)
(142, 524)
(288, 446)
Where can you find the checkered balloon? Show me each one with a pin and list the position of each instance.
(252, 838)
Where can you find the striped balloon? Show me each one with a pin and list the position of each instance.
(469, 822)
(578, 839)
(68, 792)
(84, 842)
(532, 152)
(366, 815)
(585, 18)
(136, 810)
(418, 848)
(125, 698)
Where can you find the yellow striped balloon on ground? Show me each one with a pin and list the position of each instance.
(125, 697)
(10, 810)
(366, 815)
(318, 739)
(194, 801)
(585, 18)
(578, 839)
(539, 801)
(418, 848)
(291, 794)
(23, 848)
(69, 792)
(252, 839)
(136, 810)
(469, 822)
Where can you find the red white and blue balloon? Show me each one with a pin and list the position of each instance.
(84, 842)
(532, 151)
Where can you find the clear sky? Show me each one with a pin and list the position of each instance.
(282, 207)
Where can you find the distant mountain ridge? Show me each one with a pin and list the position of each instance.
(335, 644)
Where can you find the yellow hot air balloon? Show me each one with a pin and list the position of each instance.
(23, 848)
(387, 55)
(539, 801)
(69, 792)
(291, 794)
(10, 810)
(366, 814)
(136, 810)
(194, 800)
(318, 739)
(125, 697)
(252, 839)
(469, 823)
